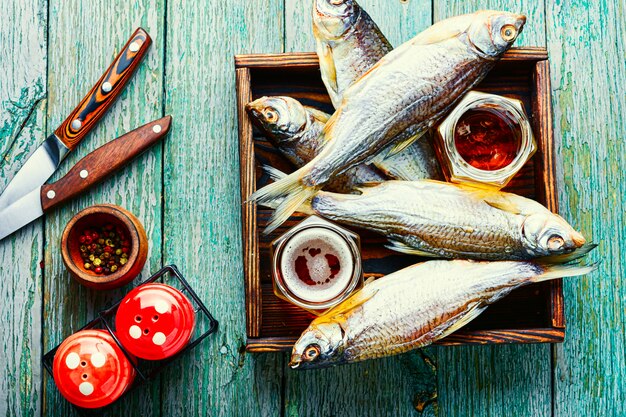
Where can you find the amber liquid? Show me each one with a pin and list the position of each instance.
(487, 140)
(316, 265)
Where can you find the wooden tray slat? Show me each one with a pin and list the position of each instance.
(532, 314)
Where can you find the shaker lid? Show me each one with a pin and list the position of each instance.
(155, 321)
(90, 369)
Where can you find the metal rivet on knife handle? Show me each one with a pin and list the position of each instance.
(156, 129)
(105, 91)
(102, 162)
(51, 194)
(76, 124)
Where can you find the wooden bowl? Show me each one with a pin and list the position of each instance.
(97, 216)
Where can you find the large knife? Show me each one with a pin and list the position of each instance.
(48, 156)
(90, 170)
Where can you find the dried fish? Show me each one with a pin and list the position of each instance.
(438, 219)
(398, 100)
(295, 131)
(349, 43)
(414, 307)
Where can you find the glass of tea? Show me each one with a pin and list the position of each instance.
(316, 264)
(485, 140)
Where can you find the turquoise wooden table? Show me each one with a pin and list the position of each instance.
(186, 192)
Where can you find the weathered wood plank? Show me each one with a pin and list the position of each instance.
(84, 39)
(533, 33)
(393, 386)
(399, 20)
(500, 380)
(588, 53)
(22, 128)
(202, 221)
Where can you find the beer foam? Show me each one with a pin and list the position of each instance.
(309, 249)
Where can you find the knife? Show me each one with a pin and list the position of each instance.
(90, 170)
(46, 159)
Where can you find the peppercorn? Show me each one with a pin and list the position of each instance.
(104, 250)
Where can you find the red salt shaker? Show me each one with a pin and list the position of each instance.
(155, 321)
(90, 369)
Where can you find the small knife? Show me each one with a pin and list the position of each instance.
(90, 170)
(46, 159)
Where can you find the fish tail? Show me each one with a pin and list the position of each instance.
(562, 271)
(568, 257)
(287, 195)
(274, 174)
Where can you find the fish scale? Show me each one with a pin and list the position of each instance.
(448, 220)
(397, 100)
(414, 307)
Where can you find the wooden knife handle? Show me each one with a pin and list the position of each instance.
(102, 162)
(103, 94)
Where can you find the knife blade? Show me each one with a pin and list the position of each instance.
(90, 170)
(48, 156)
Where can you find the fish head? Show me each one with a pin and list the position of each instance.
(492, 33)
(333, 18)
(321, 345)
(281, 117)
(549, 234)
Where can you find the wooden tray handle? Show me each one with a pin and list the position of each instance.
(102, 162)
(103, 94)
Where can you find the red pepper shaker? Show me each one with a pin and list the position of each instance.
(154, 321)
(90, 369)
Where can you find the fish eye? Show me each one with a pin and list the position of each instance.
(270, 115)
(508, 33)
(311, 352)
(555, 242)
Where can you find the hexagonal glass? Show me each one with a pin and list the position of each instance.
(281, 286)
(456, 168)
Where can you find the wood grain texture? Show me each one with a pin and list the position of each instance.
(524, 316)
(103, 162)
(22, 128)
(392, 386)
(98, 100)
(534, 29)
(83, 40)
(478, 380)
(588, 49)
(399, 20)
(202, 221)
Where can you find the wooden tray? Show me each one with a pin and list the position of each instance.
(533, 314)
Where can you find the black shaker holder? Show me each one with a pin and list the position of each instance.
(147, 370)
